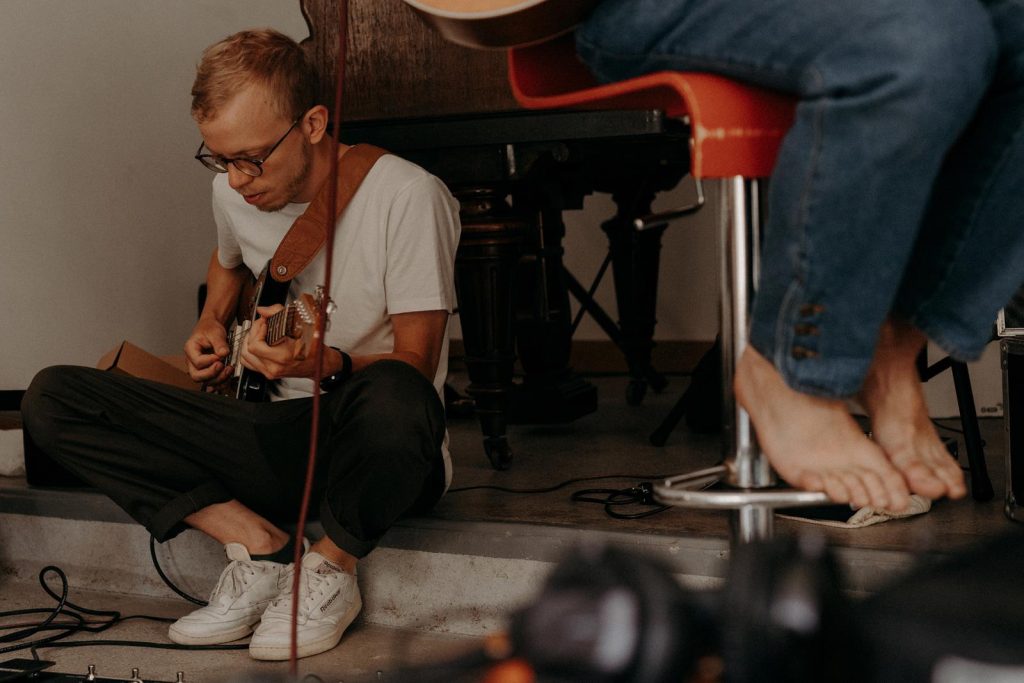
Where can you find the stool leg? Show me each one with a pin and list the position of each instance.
(981, 485)
(749, 490)
(1012, 352)
(741, 209)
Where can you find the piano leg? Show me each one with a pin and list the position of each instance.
(551, 392)
(485, 265)
(635, 261)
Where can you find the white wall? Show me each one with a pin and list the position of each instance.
(105, 221)
(105, 225)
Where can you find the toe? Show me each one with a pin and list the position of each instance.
(919, 477)
(835, 488)
(948, 471)
(810, 481)
(853, 483)
(896, 488)
(876, 490)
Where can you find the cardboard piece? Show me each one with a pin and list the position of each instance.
(129, 359)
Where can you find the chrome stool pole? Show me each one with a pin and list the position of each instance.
(748, 478)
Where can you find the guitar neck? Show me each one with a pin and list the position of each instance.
(279, 324)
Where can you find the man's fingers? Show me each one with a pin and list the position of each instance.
(205, 374)
(201, 353)
(265, 311)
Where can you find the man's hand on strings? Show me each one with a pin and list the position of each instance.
(285, 359)
(206, 350)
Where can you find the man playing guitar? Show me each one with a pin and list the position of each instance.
(233, 469)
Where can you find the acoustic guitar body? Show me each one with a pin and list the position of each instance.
(501, 24)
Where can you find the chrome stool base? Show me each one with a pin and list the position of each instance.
(750, 489)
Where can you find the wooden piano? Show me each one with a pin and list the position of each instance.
(449, 109)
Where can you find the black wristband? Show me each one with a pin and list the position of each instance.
(332, 382)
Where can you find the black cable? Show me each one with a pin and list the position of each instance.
(140, 643)
(562, 485)
(33, 630)
(78, 624)
(641, 494)
(170, 584)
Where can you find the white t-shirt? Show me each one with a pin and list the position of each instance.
(394, 252)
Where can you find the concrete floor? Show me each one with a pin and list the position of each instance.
(615, 440)
(364, 651)
(525, 527)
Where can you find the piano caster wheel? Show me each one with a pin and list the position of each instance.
(635, 391)
(657, 381)
(498, 452)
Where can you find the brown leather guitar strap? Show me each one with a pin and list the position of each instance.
(309, 231)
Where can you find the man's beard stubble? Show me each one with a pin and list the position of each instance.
(296, 183)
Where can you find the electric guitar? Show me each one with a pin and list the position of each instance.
(297, 320)
(500, 24)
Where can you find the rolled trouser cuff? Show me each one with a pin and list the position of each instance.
(167, 522)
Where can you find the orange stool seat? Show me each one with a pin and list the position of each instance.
(736, 129)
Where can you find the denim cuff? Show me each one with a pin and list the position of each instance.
(958, 343)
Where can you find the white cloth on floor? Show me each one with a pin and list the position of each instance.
(868, 516)
(12, 453)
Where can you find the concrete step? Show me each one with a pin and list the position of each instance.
(427, 574)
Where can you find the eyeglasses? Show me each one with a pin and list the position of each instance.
(253, 167)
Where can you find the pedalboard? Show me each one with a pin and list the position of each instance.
(35, 670)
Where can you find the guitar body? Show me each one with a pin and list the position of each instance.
(501, 24)
(264, 291)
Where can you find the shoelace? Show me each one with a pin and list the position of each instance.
(311, 589)
(236, 577)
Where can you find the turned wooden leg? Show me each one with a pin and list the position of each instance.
(485, 264)
(550, 391)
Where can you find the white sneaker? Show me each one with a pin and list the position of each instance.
(244, 590)
(328, 602)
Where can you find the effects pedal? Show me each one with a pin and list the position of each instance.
(36, 670)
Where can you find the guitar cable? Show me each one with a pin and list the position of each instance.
(79, 623)
(321, 327)
(642, 494)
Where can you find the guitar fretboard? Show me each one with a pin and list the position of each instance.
(277, 329)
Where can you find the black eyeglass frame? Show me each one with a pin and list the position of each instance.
(219, 164)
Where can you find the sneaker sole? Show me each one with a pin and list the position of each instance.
(276, 653)
(214, 639)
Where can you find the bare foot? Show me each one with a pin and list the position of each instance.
(893, 397)
(814, 443)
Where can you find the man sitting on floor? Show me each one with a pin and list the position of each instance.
(175, 459)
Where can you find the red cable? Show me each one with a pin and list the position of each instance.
(321, 328)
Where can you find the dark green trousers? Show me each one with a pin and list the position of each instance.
(162, 453)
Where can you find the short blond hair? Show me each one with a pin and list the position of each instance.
(258, 56)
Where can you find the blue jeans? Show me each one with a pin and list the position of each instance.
(900, 187)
